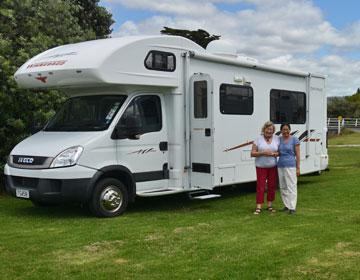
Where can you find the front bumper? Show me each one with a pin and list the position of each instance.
(51, 186)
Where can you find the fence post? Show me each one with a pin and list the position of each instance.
(339, 126)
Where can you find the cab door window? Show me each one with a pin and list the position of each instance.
(143, 115)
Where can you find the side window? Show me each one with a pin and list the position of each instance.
(200, 99)
(236, 99)
(287, 106)
(160, 61)
(142, 115)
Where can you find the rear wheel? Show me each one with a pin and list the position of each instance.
(110, 198)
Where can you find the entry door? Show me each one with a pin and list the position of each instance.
(201, 132)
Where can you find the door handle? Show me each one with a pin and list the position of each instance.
(163, 146)
(207, 132)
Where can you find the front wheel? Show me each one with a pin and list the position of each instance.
(110, 198)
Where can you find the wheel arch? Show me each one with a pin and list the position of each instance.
(119, 172)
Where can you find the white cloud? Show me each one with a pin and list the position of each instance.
(175, 7)
(342, 74)
(129, 28)
(287, 33)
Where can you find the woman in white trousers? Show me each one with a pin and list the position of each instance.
(288, 167)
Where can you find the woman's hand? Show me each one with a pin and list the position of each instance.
(298, 171)
(270, 153)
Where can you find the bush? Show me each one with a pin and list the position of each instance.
(28, 28)
(2, 179)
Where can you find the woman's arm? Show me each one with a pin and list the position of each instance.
(266, 153)
(297, 155)
(254, 151)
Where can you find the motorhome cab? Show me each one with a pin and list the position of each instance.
(149, 116)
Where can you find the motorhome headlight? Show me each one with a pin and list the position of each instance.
(68, 157)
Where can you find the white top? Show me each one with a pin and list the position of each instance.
(264, 161)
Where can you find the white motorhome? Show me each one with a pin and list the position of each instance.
(157, 115)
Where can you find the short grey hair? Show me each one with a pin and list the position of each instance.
(266, 125)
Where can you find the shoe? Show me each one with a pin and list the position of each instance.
(257, 211)
(271, 210)
(285, 209)
(292, 212)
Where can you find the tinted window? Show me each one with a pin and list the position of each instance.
(160, 61)
(143, 114)
(200, 99)
(86, 113)
(287, 106)
(236, 99)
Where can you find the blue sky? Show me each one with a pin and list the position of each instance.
(340, 13)
(321, 36)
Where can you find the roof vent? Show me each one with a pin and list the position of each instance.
(228, 49)
(222, 47)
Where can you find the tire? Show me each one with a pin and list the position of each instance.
(109, 199)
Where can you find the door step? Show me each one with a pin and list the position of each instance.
(202, 194)
(206, 196)
(159, 192)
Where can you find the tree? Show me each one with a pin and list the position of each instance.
(199, 36)
(338, 106)
(355, 98)
(28, 27)
(92, 17)
(347, 107)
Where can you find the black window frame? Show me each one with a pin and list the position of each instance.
(221, 100)
(154, 67)
(277, 119)
(200, 114)
(160, 115)
(69, 104)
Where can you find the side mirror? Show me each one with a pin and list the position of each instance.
(126, 133)
(134, 136)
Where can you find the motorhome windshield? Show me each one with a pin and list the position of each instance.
(86, 113)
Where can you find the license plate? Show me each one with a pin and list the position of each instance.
(22, 193)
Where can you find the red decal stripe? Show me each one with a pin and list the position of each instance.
(239, 146)
(47, 63)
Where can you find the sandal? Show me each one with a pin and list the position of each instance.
(271, 210)
(257, 211)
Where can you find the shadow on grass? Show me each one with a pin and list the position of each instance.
(17, 208)
(58, 212)
(180, 201)
(167, 203)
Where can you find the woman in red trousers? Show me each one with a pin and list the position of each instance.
(265, 151)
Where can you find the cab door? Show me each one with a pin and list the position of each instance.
(201, 132)
(142, 144)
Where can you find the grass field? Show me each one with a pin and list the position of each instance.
(347, 137)
(175, 238)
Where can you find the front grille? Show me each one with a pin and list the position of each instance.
(30, 162)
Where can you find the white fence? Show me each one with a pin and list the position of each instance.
(338, 124)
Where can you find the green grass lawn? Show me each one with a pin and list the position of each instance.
(175, 238)
(347, 137)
